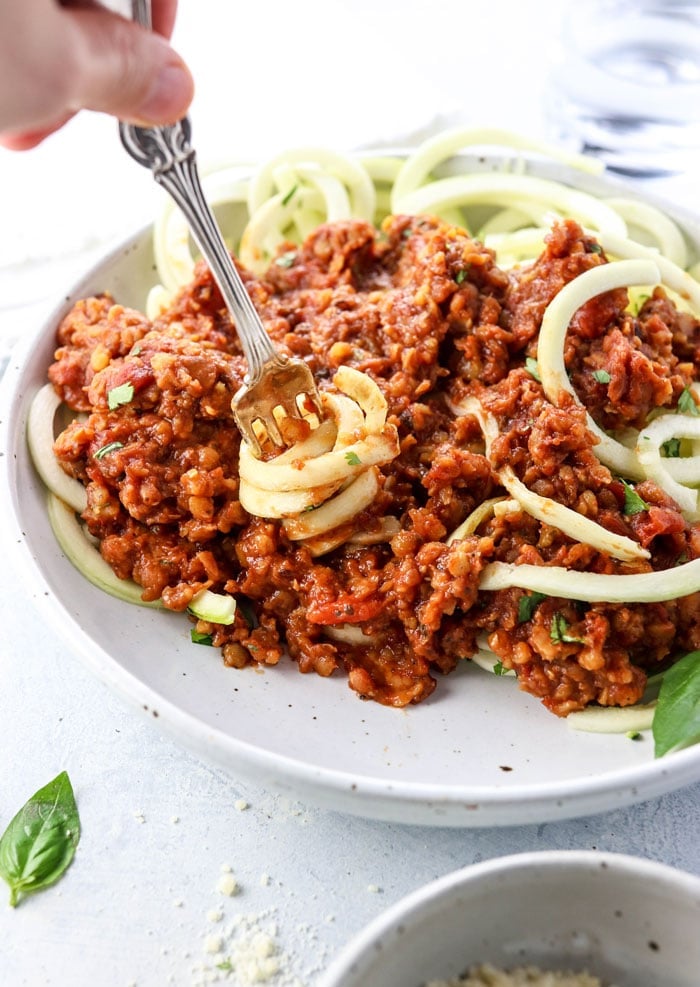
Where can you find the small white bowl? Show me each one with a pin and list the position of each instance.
(630, 922)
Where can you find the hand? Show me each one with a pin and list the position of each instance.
(61, 56)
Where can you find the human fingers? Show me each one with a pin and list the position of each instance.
(123, 69)
(25, 140)
(163, 14)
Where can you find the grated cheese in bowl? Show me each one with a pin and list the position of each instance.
(489, 976)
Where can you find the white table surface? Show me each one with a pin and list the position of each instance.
(140, 903)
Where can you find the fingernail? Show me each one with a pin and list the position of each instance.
(169, 96)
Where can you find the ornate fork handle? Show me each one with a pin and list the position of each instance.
(167, 152)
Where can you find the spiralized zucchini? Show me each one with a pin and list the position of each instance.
(549, 511)
(595, 587)
(40, 437)
(85, 555)
(550, 347)
(316, 488)
(323, 482)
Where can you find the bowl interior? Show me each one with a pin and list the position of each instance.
(629, 922)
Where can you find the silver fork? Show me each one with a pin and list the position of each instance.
(274, 386)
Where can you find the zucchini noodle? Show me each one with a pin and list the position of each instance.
(440, 148)
(269, 225)
(480, 514)
(40, 437)
(682, 286)
(518, 246)
(550, 348)
(651, 438)
(595, 587)
(613, 719)
(666, 235)
(81, 550)
(350, 172)
(542, 196)
(549, 511)
(323, 482)
(172, 245)
(644, 460)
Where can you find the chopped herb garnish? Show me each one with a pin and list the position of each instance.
(498, 669)
(633, 735)
(594, 248)
(225, 965)
(288, 197)
(559, 628)
(110, 447)
(135, 350)
(286, 259)
(633, 502)
(122, 394)
(641, 300)
(602, 376)
(686, 403)
(671, 448)
(462, 275)
(352, 459)
(532, 368)
(528, 604)
(197, 637)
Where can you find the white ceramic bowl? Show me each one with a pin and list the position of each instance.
(630, 922)
(479, 752)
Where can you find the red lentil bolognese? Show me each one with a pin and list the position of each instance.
(491, 465)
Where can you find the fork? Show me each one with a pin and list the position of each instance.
(274, 387)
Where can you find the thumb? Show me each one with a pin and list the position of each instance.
(123, 69)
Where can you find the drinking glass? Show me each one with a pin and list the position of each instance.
(626, 84)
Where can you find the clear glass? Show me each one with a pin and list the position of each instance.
(626, 84)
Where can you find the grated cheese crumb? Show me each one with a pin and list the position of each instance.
(241, 805)
(213, 944)
(228, 885)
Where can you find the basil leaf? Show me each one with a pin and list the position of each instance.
(352, 459)
(602, 376)
(677, 717)
(39, 843)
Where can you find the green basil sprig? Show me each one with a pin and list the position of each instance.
(677, 716)
(39, 844)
